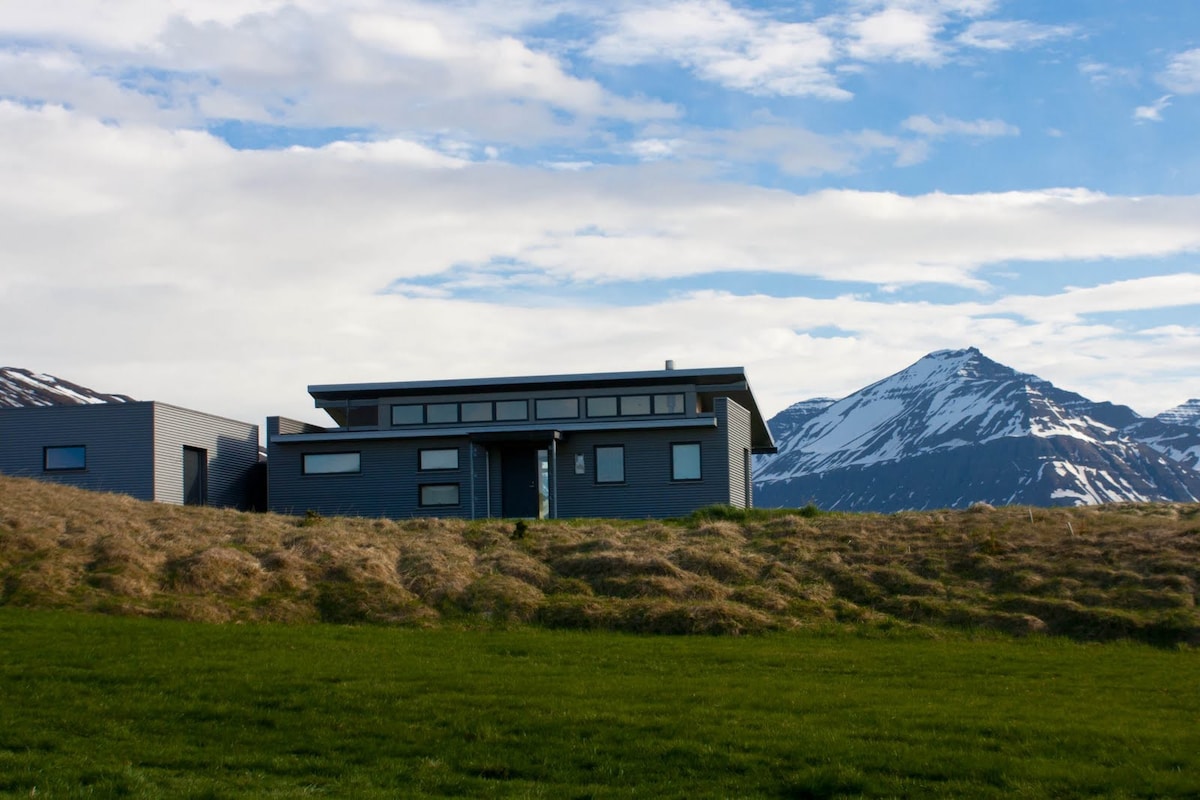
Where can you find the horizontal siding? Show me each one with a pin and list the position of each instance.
(231, 446)
(386, 486)
(118, 438)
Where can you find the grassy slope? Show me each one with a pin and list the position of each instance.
(1089, 573)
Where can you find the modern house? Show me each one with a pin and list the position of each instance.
(150, 450)
(622, 444)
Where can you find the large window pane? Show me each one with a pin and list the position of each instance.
(74, 457)
(685, 462)
(668, 404)
(408, 415)
(512, 410)
(436, 413)
(439, 459)
(476, 412)
(610, 464)
(331, 463)
(635, 405)
(439, 494)
(558, 408)
(602, 406)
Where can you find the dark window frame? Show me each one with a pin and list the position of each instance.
(421, 457)
(616, 407)
(304, 463)
(507, 403)
(421, 487)
(682, 403)
(46, 457)
(491, 410)
(457, 414)
(596, 464)
(699, 462)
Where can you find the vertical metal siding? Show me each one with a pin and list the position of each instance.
(736, 423)
(232, 449)
(118, 438)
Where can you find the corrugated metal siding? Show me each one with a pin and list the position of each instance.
(386, 485)
(736, 422)
(118, 437)
(232, 449)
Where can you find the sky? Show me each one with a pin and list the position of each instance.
(216, 203)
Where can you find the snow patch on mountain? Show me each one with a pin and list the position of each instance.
(21, 387)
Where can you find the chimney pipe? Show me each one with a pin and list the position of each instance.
(670, 363)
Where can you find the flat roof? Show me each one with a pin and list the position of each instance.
(727, 381)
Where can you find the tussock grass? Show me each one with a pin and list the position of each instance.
(1113, 572)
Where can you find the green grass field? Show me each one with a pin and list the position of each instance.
(96, 706)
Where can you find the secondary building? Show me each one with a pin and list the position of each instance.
(149, 450)
(621, 444)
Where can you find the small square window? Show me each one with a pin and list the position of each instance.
(446, 458)
(685, 462)
(635, 405)
(610, 464)
(476, 412)
(439, 494)
(440, 413)
(57, 459)
(408, 415)
(512, 410)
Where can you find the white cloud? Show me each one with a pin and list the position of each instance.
(1182, 75)
(733, 47)
(897, 34)
(1011, 34)
(948, 126)
(1152, 112)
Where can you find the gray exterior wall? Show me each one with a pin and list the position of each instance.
(388, 482)
(231, 446)
(119, 438)
(132, 448)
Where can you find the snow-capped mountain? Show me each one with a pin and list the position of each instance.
(1186, 414)
(957, 427)
(20, 387)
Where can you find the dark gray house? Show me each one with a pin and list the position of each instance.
(622, 444)
(150, 450)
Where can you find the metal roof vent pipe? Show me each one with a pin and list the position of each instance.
(670, 363)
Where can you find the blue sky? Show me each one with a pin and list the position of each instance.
(217, 204)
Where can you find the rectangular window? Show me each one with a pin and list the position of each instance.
(558, 408)
(610, 464)
(440, 413)
(362, 417)
(668, 404)
(408, 415)
(439, 494)
(445, 458)
(512, 410)
(331, 463)
(476, 412)
(56, 459)
(635, 405)
(602, 406)
(685, 461)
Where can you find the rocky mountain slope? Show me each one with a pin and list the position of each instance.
(957, 428)
(20, 387)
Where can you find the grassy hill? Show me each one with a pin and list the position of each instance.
(1123, 571)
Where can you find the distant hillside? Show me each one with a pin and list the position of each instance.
(1123, 571)
(20, 387)
(956, 428)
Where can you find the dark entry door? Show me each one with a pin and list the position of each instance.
(518, 482)
(195, 476)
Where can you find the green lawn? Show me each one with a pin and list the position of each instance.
(92, 706)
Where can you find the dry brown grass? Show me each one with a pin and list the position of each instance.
(1117, 571)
